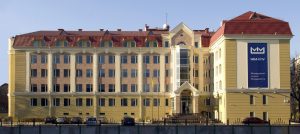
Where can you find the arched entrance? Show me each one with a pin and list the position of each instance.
(186, 102)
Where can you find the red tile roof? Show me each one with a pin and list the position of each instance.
(252, 23)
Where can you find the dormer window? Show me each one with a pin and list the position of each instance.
(38, 43)
(129, 43)
(151, 44)
(61, 43)
(84, 43)
(106, 43)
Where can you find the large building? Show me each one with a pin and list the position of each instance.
(240, 70)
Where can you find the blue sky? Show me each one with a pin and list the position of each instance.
(23, 16)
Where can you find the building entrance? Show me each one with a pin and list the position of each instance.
(186, 102)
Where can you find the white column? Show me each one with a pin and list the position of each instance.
(28, 62)
(73, 72)
(95, 82)
(50, 72)
(95, 72)
(162, 73)
(117, 72)
(140, 82)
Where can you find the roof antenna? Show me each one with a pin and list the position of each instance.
(166, 26)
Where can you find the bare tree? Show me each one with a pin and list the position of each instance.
(295, 86)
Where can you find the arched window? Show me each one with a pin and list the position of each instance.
(129, 43)
(84, 43)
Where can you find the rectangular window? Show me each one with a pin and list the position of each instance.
(101, 73)
(89, 88)
(147, 102)
(33, 73)
(111, 73)
(156, 102)
(66, 73)
(44, 58)
(56, 59)
(78, 73)
(111, 102)
(133, 88)
(124, 88)
(146, 88)
(155, 73)
(56, 102)
(196, 59)
(78, 87)
(133, 73)
(101, 59)
(89, 102)
(56, 72)
(44, 88)
(78, 101)
(33, 59)
(167, 73)
(111, 88)
(66, 87)
(89, 73)
(156, 59)
(264, 99)
(166, 59)
(66, 102)
(134, 102)
(44, 102)
(44, 73)
(251, 99)
(111, 59)
(124, 59)
(207, 101)
(265, 116)
(167, 88)
(89, 59)
(78, 59)
(101, 88)
(166, 102)
(66, 59)
(196, 73)
(146, 73)
(124, 73)
(56, 87)
(196, 45)
(33, 102)
(102, 102)
(166, 43)
(33, 88)
(133, 59)
(124, 102)
(252, 114)
(146, 59)
(156, 88)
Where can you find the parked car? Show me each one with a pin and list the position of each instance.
(62, 120)
(76, 120)
(254, 120)
(50, 120)
(90, 121)
(128, 121)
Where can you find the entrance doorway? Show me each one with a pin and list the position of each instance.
(186, 102)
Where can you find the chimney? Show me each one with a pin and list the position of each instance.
(119, 29)
(101, 29)
(140, 30)
(80, 30)
(206, 30)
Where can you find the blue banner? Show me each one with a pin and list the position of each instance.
(257, 65)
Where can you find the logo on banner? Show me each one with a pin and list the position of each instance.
(257, 50)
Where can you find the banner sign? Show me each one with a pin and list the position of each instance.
(257, 65)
